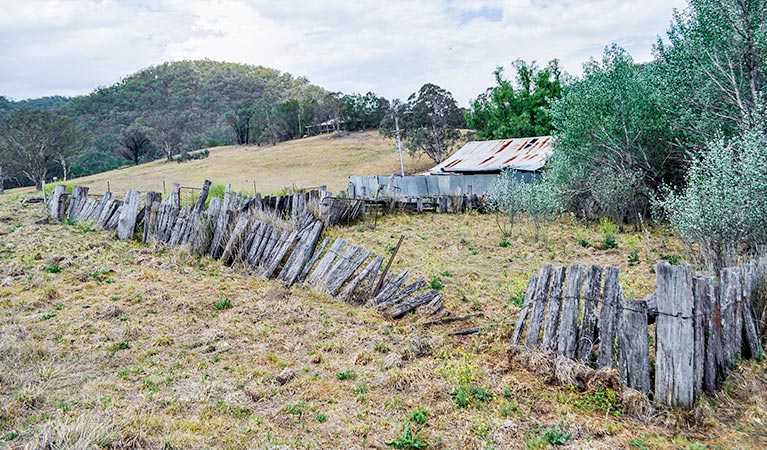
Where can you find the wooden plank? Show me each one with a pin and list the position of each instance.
(247, 244)
(76, 201)
(126, 224)
(303, 254)
(568, 327)
(652, 308)
(279, 254)
(235, 239)
(404, 293)
(326, 261)
(105, 199)
(315, 256)
(221, 231)
(752, 347)
(271, 242)
(57, 204)
(674, 381)
(634, 346)
(608, 318)
(412, 303)
(351, 293)
(731, 294)
(551, 326)
(259, 242)
(199, 205)
(114, 218)
(539, 303)
(344, 270)
(390, 288)
(713, 365)
(699, 292)
(107, 213)
(178, 225)
(524, 311)
(589, 320)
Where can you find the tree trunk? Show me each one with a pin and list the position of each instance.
(2, 180)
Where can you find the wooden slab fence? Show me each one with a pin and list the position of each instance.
(702, 326)
(274, 237)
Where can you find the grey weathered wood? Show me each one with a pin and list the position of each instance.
(404, 293)
(568, 326)
(524, 311)
(214, 208)
(115, 218)
(150, 212)
(76, 201)
(652, 308)
(730, 295)
(674, 380)
(247, 244)
(539, 304)
(259, 242)
(551, 326)
(279, 253)
(699, 290)
(390, 288)
(302, 254)
(345, 269)
(315, 256)
(178, 226)
(225, 218)
(351, 292)
(235, 239)
(608, 318)
(107, 213)
(174, 198)
(96, 213)
(634, 346)
(589, 320)
(200, 203)
(443, 199)
(751, 345)
(126, 224)
(89, 205)
(326, 261)
(276, 238)
(57, 203)
(713, 364)
(411, 304)
(430, 308)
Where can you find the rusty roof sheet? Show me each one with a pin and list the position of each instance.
(526, 154)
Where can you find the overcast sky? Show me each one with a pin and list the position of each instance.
(70, 47)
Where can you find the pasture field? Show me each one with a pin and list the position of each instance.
(301, 163)
(115, 344)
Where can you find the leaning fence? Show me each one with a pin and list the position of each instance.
(702, 325)
(274, 237)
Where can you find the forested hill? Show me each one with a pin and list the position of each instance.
(182, 106)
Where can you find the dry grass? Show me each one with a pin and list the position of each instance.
(310, 162)
(123, 349)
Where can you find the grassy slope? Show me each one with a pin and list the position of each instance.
(124, 345)
(304, 163)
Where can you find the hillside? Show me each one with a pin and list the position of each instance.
(307, 162)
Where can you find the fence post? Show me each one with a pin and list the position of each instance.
(731, 295)
(608, 318)
(551, 327)
(523, 313)
(539, 303)
(674, 381)
(634, 346)
(700, 290)
(568, 326)
(586, 332)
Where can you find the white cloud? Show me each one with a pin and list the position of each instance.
(391, 48)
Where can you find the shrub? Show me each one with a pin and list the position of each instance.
(190, 156)
(723, 207)
(407, 439)
(223, 303)
(507, 199)
(608, 229)
(346, 375)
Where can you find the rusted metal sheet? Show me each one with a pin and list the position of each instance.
(525, 154)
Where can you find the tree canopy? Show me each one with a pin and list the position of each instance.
(520, 108)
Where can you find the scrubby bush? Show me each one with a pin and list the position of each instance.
(723, 207)
(514, 194)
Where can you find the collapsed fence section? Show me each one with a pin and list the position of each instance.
(272, 237)
(702, 325)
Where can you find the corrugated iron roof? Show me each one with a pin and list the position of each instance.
(526, 154)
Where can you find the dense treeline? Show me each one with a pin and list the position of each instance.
(171, 109)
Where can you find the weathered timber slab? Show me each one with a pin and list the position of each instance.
(326, 261)
(551, 326)
(411, 304)
(57, 204)
(524, 312)
(345, 269)
(390, 288)
(674, 380)
(589, 320)
(634, 346)
(714, 365)
(235, 239)
(315, 256)
(568, 327)
(539, 304)
(699, 292)
(199, 205)
(301, 255)
(76, 201)
(279, 253)
(353, 293)
(404, 293)
(608, 318)
(730, 295)
(126, 224)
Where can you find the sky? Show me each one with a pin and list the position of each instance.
(390, 47)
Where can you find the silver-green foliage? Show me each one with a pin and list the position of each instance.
(723, 207)
(514, 194)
